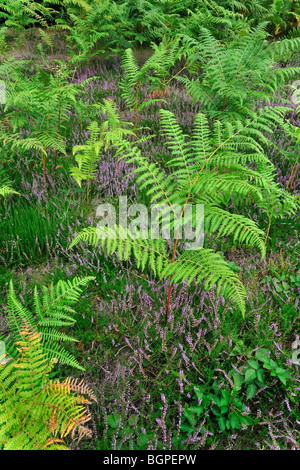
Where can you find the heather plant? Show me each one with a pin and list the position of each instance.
(160, 377)
(28, 233)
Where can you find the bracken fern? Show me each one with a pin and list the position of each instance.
(36, 413)
(208, 170)
(52, 311)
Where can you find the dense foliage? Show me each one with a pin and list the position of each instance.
(179, 105)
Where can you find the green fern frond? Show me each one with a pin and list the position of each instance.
(204, 265)
(243, 229)
(36, 413)
(146, 251)
(6, 190)
(214, 166)
(239, 74)
(52, 312)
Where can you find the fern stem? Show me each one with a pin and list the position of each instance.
(293, 174)
(170, 283)
(52, 53)
(294, 177)
(135, 111)
(163, 92)
(269, 226)
(172, 78)
(87, 192)
(224, 103)
(44, 166)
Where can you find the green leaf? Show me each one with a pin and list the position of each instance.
(143, 439)
(260, 375)
(224, 409)
(222, 423)
(198, 410)
(234, 421)
(186, 428)
(283, 372)
(133, 420)
(224, 401)
(285, 286)
(245, 420)
(253, 364)
(251, 390)
(273, 364)
(113, 420)
(238, 380)
(250, 375)
(262, 355)
(190, 417)
(282, 379)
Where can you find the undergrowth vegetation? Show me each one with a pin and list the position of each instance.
(112, 336)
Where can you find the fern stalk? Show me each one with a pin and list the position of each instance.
(293, 173)
(136, 111)
(191, 182)
(170, 283)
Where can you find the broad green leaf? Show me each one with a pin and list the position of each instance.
(186, 428)
(113, 420)
(251, 390)
(238, 381)
(262, 355)
(260, 375)
(253, 364)
(234, 421)
(198, 410)
(250, 375)
(222, 423)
